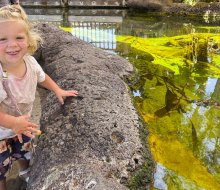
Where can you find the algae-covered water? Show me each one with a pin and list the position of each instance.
(177, 93)
(176, 90)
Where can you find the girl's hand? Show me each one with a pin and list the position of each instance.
(23, 126)
(61, 94)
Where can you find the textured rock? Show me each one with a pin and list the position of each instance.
(148, 4)
(92, 141)
(199, 9)
(176, 7)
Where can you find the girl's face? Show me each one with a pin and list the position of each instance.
(13, 42)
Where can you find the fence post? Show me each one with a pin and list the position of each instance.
(123, 3)
(64, 3)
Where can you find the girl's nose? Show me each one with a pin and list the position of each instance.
(12, 43)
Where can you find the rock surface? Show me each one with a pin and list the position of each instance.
(175, 7)
(148, 4)
(211, 9)
(94, 140)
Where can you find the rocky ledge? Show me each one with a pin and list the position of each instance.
(198, 9)
(96, 140)
(175, 8)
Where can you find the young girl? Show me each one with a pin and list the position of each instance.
(19, 75)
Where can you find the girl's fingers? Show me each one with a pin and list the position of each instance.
(31, 132)
(28, 134)
(26, 117)
(31, 129)
(23, 126)
(71, 93)
(65, 93)
(20, 138)
(33, 126)
(61, 100)
(75, 92)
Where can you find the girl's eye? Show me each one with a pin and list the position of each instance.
(2, 39)
(20, 38)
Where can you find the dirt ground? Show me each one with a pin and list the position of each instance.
(13, 180)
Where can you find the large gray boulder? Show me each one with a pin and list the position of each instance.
(94, 140)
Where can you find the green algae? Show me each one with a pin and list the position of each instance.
(181, 117)
(175, 52)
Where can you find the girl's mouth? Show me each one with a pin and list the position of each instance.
(13, 53)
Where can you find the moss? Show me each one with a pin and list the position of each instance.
(143, 176)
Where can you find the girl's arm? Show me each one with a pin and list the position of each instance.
(60, 93)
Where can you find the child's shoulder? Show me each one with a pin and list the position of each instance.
(30, 59)
(32, 64)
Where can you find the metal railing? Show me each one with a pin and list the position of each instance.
(75, 3)
(97, 30)
(102, 35)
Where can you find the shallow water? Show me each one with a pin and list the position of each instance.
(176, 90)
(177, 94)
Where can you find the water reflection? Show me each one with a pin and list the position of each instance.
(177, 89)
(102, 35)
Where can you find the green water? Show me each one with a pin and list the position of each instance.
(176, 91)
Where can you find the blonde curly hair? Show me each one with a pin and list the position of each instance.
(16, 13)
